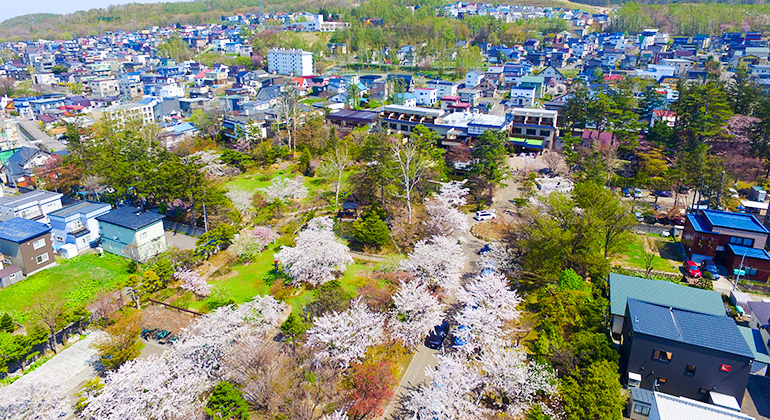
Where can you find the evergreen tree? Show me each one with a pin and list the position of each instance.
(227, 403)
(6, 323)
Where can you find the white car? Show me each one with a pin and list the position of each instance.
(485, 215)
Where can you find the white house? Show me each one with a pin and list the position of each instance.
(656, 71)
(522, 97)
(473, 78)
(290, 62)
(425, 96)
(77, 224)
(443, 87)
(34, 205)
(131, 233)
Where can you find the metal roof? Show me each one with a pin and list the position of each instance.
(754, 341)
(758, 254)
(641, 395)
(670, 407)
(30, 197)
(352, 115)
(83, 207)
(762, 311)
(662, 292)
(20, 230)
(130, 217)
(730, 220)
(713, 332)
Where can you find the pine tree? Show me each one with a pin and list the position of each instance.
(6, 323)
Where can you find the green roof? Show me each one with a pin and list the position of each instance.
(661, 292)
(517, 140)
(754, 340)
(5, 154)
(531, 142)
(532, 79)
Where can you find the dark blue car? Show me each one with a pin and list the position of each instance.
(708, 265)
(437, 335)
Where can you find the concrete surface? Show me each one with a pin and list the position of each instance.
(180, 240)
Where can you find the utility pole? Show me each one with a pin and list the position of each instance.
(740, 270)
(205, 218)
(719, 192)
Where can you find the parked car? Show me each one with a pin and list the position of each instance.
(664, 220)
(691, 269)
(485, 215)
(679, 221)
(639, 216)
(437, 335)
(457, 341)
(626, 192)
(661, 193)
(709, 266)
(487, 270)
(485, 248)
(650, 219)
(637, 193)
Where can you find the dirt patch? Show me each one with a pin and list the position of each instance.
(157, 316)
(488, 231)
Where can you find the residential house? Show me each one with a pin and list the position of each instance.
(33, 205)
(535, 82)
(760, 322)
(522, 97)
(348, 118)
(131, 233)
(19, 168)
(77, 224)
(10, 275)
(26, 244)
(665, 293)
(237, 127)
(473, 78)
(488, 87)
(426, 97)
(683, 352)
(443, 88)
(730, 239)
(405, 99)
(645, 404)
(104, 87)
(533, 128)
(551, 73)
(470, 96)
(664, 116)
(404, 80)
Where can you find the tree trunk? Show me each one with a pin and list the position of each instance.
(339, 184)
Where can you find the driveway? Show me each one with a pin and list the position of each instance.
(180, 240)
(756, 401)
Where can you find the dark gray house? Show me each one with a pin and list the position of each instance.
(682, 352)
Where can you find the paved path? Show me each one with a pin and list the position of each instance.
(31, 130)
(180, 240)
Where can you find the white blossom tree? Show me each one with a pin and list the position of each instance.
(245, 246)
(342, 337)
(336, 415)
(499, 258)
(174, 385)
(444, 219)
(212, 164)
(488, 305)
(242, 200)
(416, 312)
(438, 262)
(317, 256)
(452, 193)
(286, 188)
(193, 282)
(32, 398)
(452, 393)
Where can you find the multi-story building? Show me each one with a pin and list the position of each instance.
(142, 111)
(34, 205)
(131, 84)
(26, 244)
(290, 62)
(522, 97)
(426, 97)
(443, 88)
(131, 233)
(104, 87)
(76, 224)
(534, 128)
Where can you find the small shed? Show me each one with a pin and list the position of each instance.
(68, 251)
(349, 211)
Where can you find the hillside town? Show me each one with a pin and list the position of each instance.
(278, 215)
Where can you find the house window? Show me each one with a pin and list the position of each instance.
(42, 258)
(662, 356)
(725, 368)
(751, 271)
(531, 132)
(642, 409)
(545, 133)
(662, 380)
(38, 243)
(143, 236)
(735, 240)
(690, 370)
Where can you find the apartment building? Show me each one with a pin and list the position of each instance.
(290, 62)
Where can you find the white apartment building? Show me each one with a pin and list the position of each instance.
(522, 97)
(290, 62)
(126, 112)
(426, 97)
(443, 88)
(104, 87)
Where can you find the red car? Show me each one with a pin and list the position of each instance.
(691, 269)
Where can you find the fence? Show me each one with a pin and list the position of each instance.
(40, 348)
(182, 228)
(658, 229)
(176, 307)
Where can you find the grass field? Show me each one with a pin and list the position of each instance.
(74, 282)
(257, 278)
(255, 180)
(664, 251)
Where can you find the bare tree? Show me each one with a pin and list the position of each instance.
(553, 161)
(48, 309)
(339, 159)
(259, 369)
(288, 104)
(412, 166)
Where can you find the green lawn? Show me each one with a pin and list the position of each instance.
(665, 258)
(254, 180)
(76, 281)
(257, 278)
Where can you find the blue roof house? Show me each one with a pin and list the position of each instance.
(684, 352)
(77, 224)
(26, 244)
(131, 233)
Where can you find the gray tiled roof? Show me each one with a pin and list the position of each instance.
(666, 293)
(130, 218)
(19, 230)
(695, 328)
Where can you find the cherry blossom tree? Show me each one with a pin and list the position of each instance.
(337, 415)
(174, 385)
(488, 304)
(417, 311)
(245, 246)
(32, 398)
(264, 235)
(453, 194)
(444, 219)
(451, 394)
(317, 257)
(193, 282)
(286, 188)
(242, 200)
(438, 262)
(342, 337)
(500, 259)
